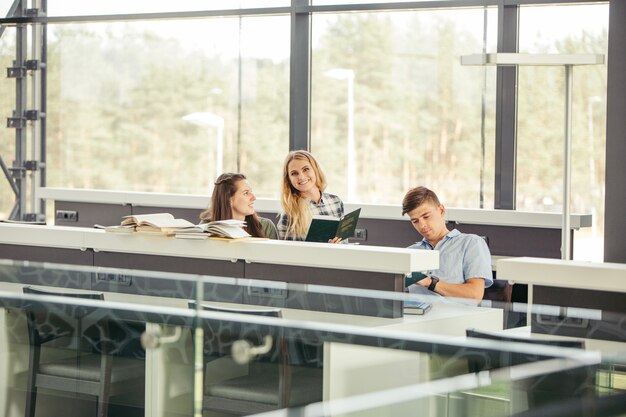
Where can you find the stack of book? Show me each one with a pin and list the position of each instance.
(228, 229)
(166, 224)
(158, 223)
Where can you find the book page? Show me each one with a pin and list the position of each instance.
(227, 231)
(116, 229)
(158, 220)
(147, 219)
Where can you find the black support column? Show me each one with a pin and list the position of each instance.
(300, 85)
(615, 199)
(506, 112)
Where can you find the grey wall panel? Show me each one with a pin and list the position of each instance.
(580, 297)
(503, 240)
(169, 288)
(392, 233)
(325, 276)
(297, 297)
(330, 303)
(611, 326)
(111, 214)
(170, 264)
(272, 216)
(518, 241)
(91, 213)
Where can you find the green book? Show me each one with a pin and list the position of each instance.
(413, 278)
(324, 228)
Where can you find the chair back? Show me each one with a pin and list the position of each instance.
(543, 389)
(219, 335)
(69, 326)
(86, 366)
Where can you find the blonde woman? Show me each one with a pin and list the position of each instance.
(303, 196)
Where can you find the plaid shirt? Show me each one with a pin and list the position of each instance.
(329, 205)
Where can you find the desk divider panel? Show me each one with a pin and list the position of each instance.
(295, 296)
(611, 307)
(46, 254)
(293, 276)
(169, 288)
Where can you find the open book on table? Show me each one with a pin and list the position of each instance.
(116, 229)
(155, 222)
(231, 229)
(324, 228)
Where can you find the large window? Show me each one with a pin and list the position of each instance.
(393, 81)
(541, 118)
(163, 103)
(164, 106)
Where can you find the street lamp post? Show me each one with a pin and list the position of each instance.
(208, 119)
(592, 165)
(348, 74)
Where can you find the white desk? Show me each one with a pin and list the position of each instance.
(352, 370)
(347, 266)
(350, 257)
(587, 277)
(602, 276)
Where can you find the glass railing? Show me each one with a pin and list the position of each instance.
(78, 341)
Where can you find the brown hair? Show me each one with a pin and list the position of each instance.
(297, 208)
(417, 196)
(220, 208)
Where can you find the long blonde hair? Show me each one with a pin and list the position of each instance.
(294, 205)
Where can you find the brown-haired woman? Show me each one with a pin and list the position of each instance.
(233, 198)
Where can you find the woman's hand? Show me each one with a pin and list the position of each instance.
(335, 240)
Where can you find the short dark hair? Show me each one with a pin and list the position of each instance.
(417, 196)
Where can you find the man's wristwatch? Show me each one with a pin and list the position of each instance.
(433, 283)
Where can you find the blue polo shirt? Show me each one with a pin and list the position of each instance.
(461, 256)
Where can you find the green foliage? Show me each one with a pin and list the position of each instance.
(117, 94)
(117, 98)
(417, 111)
(541, 132)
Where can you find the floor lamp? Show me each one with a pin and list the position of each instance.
(568, 61)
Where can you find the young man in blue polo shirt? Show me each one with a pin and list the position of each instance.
(464, 259)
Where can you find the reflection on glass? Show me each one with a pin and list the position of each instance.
(453, 361)
(78, 7)
(118, 93)
(414, 113)
(541, 112)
